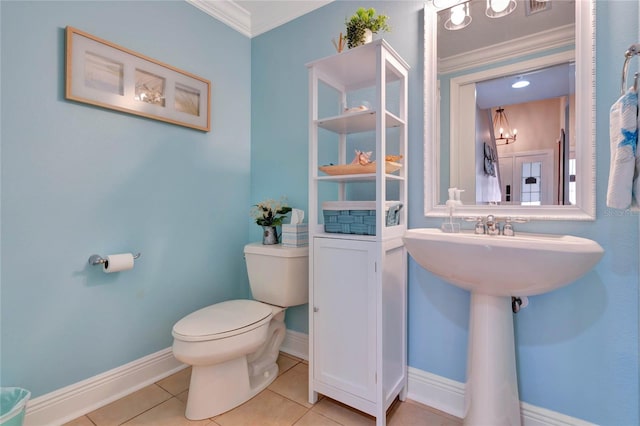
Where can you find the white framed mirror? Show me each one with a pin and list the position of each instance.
(461, 147)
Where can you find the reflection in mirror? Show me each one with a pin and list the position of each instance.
(514, 128)
(546, 170)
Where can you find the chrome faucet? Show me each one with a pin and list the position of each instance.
(480, 228)
(507, 228)
(492, 225)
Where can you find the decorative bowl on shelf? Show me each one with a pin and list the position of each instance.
(355, 169)
(356, 107)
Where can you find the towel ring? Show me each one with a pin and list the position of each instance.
(633, 50)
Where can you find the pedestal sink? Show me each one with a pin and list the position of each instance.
(493, 269)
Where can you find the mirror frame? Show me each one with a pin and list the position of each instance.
(585, 207)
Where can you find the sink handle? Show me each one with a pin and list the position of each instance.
(507, 229)
(480, 226)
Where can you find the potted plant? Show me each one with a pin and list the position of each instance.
(362, 24)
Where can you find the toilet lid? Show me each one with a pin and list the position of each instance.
(220, 319)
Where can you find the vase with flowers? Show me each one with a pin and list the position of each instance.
(269, 214)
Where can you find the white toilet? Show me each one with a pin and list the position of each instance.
(233, 346)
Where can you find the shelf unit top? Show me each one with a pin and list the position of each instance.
(356, 68)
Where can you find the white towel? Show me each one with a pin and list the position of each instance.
(623, 130)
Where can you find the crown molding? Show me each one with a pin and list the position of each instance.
(534, 43)
(228, 12)
(252, 18)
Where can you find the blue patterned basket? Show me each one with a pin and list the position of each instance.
(357, 217)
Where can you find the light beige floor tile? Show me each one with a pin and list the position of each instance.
(265, 409)
(285, 362)
(169, 413)
(182, 396)
(294, 384)
(315, 419)
(341, 413)
(130, 406)
(80, 421)
(411, 413)
(176, 383)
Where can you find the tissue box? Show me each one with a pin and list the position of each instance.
(295, 235)
(357, 217)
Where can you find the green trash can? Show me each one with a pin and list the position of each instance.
(13, 402)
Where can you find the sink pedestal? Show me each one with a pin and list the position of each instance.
(491, 391)
(535, 264)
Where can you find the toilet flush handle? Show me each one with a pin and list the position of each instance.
(316, 309)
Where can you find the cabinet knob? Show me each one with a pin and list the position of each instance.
(316, 309)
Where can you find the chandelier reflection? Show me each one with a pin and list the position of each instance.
(501, 128)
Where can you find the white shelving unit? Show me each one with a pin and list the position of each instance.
(358, 283)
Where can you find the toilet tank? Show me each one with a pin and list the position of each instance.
(278, 275)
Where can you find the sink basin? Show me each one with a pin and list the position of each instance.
(522, 265)
(493, 269)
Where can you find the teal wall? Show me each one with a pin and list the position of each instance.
(577, 347)
(78, 180)
(280, 101)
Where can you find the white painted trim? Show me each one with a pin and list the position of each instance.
(585, 115)
(436, 391)
(442, 393)
(296, 344)
(227, 12)
(448, 395)
(519, 47)
(537, 416)
(254, 20)
(78, 399)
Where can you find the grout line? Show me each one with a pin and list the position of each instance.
(151, 408)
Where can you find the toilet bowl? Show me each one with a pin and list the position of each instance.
(233, 345)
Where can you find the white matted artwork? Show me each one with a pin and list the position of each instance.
(104, 74)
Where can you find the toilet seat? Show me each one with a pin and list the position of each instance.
(222, 320)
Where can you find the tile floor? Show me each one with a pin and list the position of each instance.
(283, 403)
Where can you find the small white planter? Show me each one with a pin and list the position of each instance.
(368, 36)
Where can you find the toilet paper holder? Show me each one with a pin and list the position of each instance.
(99, 260)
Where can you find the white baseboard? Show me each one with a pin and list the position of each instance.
(76, 400)
(296, 344)
(436, 391)
(448, 395)
(441, 393)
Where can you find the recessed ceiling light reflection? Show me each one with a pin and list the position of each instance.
(520, 84)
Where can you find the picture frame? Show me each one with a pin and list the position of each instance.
(104, 74)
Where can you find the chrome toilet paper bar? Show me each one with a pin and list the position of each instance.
(99, 260)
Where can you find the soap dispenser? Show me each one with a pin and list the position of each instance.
(457, 193)
(449, 225)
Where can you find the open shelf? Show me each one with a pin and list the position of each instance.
(357, 122)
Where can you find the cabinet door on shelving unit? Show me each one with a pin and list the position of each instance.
(344, 321)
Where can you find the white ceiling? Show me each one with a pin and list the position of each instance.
(484, 31)
(546, 83)
(255, 17)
